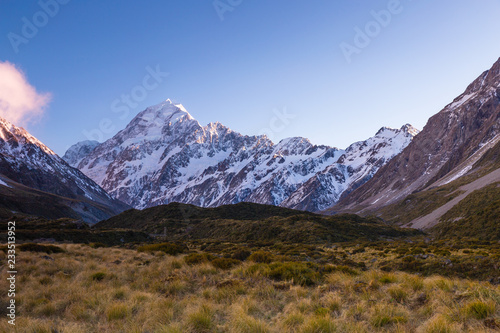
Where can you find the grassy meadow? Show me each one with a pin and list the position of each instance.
(222, 287)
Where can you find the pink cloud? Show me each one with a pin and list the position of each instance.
(20, 103)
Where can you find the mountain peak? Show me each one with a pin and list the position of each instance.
(489, 78)
(10, 132)
(154, 120)
(407, 129)
(165, 110)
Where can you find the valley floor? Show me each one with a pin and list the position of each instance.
(98, 289)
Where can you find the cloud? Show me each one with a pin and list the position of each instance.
(20, 103)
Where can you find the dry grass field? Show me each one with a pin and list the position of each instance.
(111, 289)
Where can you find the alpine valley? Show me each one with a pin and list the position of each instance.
(194, 228)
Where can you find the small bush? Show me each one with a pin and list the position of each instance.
(346, 269)
(201, 321)
(32, 247)
(241, 255)
(99, 276)
(225, 263)
(398, 294)
(117, 311)
(261, 257)
(176, 264)
(293, 320)
(320, 324)
(298, 272)
(438, 324)
(97, 245)
(387, 315)
(248, 324)
(169, 248)
(321, 311)
(479, 309)
(46, 280)
(387, 278)
(195, 258)
(119, 294)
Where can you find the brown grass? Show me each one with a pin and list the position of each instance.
(87, 289)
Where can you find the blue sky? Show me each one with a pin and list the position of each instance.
(261, 58)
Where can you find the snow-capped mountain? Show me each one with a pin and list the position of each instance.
(164, 155)
(26, 162)
(358, 163)
(75, 154)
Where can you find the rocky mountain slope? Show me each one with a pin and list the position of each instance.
(447, 161)
(164, 155)
(34, 179)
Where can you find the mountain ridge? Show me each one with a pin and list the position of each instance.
(30, 170)
(446, 152)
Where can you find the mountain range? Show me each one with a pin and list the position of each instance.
(164, 155)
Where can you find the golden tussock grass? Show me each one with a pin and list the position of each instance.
(88, 289)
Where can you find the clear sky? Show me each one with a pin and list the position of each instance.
(240, 62)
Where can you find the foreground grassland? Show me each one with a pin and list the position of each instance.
(217, 287)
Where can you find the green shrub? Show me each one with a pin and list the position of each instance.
(169, 248)
(298, 272)
(97, 245)
(241, 255)
(98, 276)
(225, 263)
(387, 278)
(320, 325)
(258, 270)
(201, 321)
(479, 309)
(321, 311)
(32, 247)
(195, 258)
(117, 311)
(346, 269)
(261, 257)
(387, 315)
(398, 294)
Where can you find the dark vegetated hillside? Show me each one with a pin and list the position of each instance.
(29, 228)
(476, 216)
(34, 202)
(22, 199)
(245, 222)
(139, 219)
